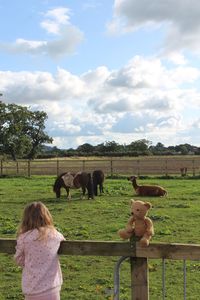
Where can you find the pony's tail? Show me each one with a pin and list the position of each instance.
(95, 190)
(90, 187)
(95, 186)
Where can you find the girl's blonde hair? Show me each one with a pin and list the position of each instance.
(36, 216)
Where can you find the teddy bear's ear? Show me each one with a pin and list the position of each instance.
(132, 201)
(148, 205)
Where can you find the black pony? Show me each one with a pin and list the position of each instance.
(69, 180)
(98, 180)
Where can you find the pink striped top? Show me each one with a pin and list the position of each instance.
(39, 260)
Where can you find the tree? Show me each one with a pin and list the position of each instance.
(35, 131)
(183, 148)
(85, 148)
(111, 146)
(158, 149)
(21, 130)
(139, 145)
(100, 148)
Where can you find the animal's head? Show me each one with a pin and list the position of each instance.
(139, 209)
(132, 178)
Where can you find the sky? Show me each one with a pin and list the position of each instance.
(104, 70)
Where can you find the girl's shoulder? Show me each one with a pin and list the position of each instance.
(42, 233)
(28, 235)
(60, 236)
(55, 233)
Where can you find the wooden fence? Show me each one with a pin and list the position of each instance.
(138, 257)
(163, 166)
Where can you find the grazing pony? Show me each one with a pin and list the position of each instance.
(98, 180)
(69, 180)
(147, 190)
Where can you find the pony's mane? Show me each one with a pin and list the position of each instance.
(57, 183)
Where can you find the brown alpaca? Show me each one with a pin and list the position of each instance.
(147, 190)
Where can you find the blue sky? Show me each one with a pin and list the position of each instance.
(105, 70)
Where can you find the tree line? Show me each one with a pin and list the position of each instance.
(22, 135)
(141, 147)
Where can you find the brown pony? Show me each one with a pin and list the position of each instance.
(69, 180)
(98, 180)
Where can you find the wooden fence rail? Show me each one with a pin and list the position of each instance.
(135, 166)
(138, 256)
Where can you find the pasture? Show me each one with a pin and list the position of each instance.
(176, 219)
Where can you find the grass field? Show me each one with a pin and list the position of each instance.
(176, 219)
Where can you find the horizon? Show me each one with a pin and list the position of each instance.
(51, 146)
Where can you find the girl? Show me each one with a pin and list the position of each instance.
(36, 252)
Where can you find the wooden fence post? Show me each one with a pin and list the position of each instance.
(1, 166)
(83, 167)
(139, 278)
(17, 166)
(57, 167)
(29, 168)
(193, 168)
(138, 167)
(166, 168)
(111, 167)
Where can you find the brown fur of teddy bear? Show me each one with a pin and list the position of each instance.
(139, 225)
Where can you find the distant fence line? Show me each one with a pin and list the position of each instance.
(138, 166)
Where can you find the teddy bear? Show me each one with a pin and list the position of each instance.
(139, 225)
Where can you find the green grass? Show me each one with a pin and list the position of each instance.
(176, 219)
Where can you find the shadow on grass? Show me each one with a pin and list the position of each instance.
(63, 199)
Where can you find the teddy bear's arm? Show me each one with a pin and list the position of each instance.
(149, 226)
(130, 224)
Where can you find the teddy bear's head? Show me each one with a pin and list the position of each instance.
(139, 208)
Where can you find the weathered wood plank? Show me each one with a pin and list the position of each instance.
(7, 246)
(169, 251)
(99, 248)
(116, 248)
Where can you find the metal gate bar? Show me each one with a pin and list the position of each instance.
(117, 277)
(184, 278)
(163, 279)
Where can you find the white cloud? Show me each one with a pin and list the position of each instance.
(180, 18)
(37, 87)
(91, 4)
(177, 58)
(55, 18)
(143, 99)
(129, 88)
(57, 22)
(151, 73)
